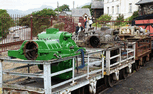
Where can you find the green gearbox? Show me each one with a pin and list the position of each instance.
(52, 44)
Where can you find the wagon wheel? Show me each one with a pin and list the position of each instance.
(109, 81)
(121, 74)
(150, 56)
(144, 61)
(124, 73)
(136, 65)
(133, 67)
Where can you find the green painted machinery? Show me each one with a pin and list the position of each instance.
(52, 44)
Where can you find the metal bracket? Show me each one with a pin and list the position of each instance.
(92, 86)
(116, 75)
(129, 69)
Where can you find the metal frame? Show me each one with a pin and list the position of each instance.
(47, 75)
(122, 63)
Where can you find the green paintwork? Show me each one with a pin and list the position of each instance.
(50, 43)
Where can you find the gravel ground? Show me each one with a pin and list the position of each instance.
(140, 82)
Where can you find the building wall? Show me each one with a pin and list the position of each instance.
(124, 7)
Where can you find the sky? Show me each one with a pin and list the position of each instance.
(31, 4)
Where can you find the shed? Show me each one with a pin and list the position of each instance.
(76, 13)
(145, 7)
(98, 8)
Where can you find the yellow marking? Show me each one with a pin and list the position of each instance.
(104, 73)
(1, 91)
(146, 30)
(102, 56)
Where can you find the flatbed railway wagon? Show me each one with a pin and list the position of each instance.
(145, 22)
(102, 66)
(143, 42)
(143, 50)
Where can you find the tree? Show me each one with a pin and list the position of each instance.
(134, 15)
(87, 6)
(104, 18)
(41, 20)
(120, 18)
(63, 8)
(5, 22)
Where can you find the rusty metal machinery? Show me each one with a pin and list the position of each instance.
(132, 32)
(52, 44)
(95, 38)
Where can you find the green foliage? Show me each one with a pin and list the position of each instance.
(98, 25)
(120, 17)
(104, 18)
(127, 20)
(5, 22)
(41, 20)
(63, 8)
(135, 14)
(87, 6)
(45, 12)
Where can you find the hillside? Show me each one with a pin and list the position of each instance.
(29, 11)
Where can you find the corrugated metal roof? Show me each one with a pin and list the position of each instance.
(97, 4)
(81, 12)
(144, 2)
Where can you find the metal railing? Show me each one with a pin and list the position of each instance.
(119, 57)
(46, 73)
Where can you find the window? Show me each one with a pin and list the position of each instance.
(130, 7)
(117, 9)
(112, 9)
(107, 1)
(112, 0)
(107, 10)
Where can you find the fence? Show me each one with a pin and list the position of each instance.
(22, 28)
(17, 28)
(12, 35)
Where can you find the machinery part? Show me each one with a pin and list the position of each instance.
(51, 44)
(31, 50)
(132, 32)
(105, 28)
(94, 41)
(92, 86)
